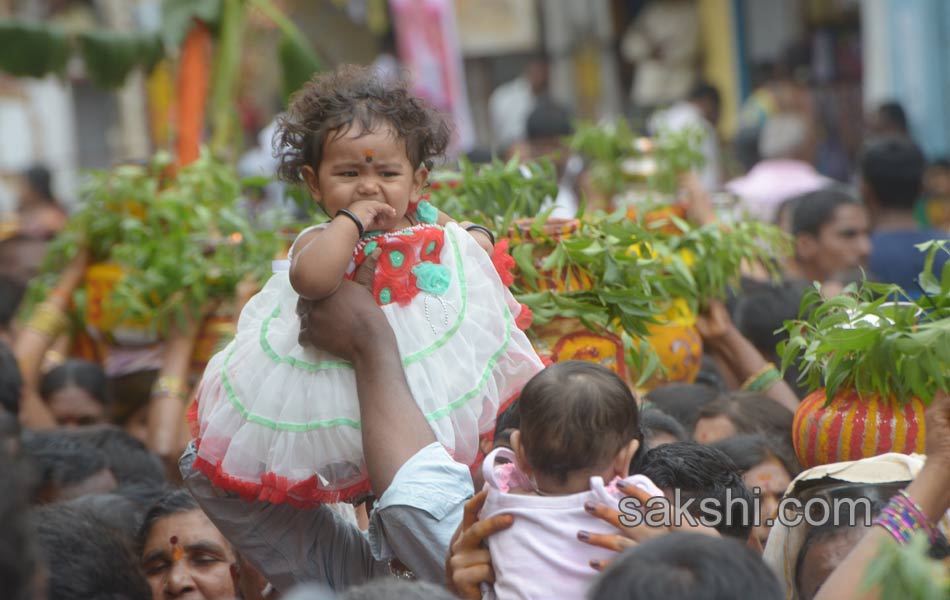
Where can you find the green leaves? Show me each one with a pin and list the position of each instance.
(178, 15)
(907, 572)
(31, 49)
(111, 55)
(618, 158)
(495, 194)
(180, 241)
(871, 338)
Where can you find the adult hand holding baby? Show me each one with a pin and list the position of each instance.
(653, 524)
(468, 563)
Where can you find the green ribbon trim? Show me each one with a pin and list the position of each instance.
(344, 422)
(311, 367)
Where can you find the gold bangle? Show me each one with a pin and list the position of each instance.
(755, 376)
(170, 385)
(48, 320)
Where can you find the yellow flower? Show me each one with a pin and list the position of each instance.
(641, 250)
(689, 259)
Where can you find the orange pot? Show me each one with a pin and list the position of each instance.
(851, 427)
(215, 332)
(569, 339)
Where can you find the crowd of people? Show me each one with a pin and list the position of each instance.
(363, 442)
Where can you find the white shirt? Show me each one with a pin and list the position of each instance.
(685, 114)
(509, 107)
(673, 29)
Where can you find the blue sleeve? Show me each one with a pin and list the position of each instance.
(416, 517)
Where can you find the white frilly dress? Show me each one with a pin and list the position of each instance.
(279, 422)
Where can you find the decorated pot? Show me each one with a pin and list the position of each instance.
(678, 347)
(216, 331)
(567, 338)
(675, 339)
(851, 427)
(102, 319)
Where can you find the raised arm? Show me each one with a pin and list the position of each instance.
(320, 257)
(32, 342)
(930, 489)
(746, 363)
(350, 325)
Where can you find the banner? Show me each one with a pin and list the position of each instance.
(428, 45)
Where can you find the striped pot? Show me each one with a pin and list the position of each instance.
(851, 428)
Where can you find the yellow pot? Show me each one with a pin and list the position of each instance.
(215, 332)
(102, 319)
(677, 344)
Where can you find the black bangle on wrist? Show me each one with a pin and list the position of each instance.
(484, 230)
(352, 217)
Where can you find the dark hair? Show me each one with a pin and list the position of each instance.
(815, 210)
(127, 457)
(751, 412)
(576, 415)
(80, 373)
(17, 552)
(654, 422)
(827, 531)
(395, 589)
(704, 90)
(59, 460)
(747, 451)
(687, 566)
(763, 308)
(701, 472)
(11, 294)
(123, 515)
(87, 559)
(508, 420)
(893, 113)
(170, 503)
(11, 382)
(893, 167)
(548, 119)
(682, 401)
(40, 179)
(331, 103)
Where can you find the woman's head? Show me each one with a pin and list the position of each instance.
(682, 401)
(77, 393)
(742, 413)
(353, 111)
(182, 552)
(576, 416)
(767, 467)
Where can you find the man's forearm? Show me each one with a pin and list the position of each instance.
(393, 427)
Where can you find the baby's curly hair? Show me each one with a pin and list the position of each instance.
(332, 103)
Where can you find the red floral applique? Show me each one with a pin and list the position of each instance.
(503, 262)
(525, 318)
(394, 281)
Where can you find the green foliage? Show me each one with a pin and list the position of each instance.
(495, 194)
(936, 291)
(618, 158)
(872, 338)
(30, 49)
(181, 241)
(178, 16)
(298, 59)
(111, 55)
(907, 572)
